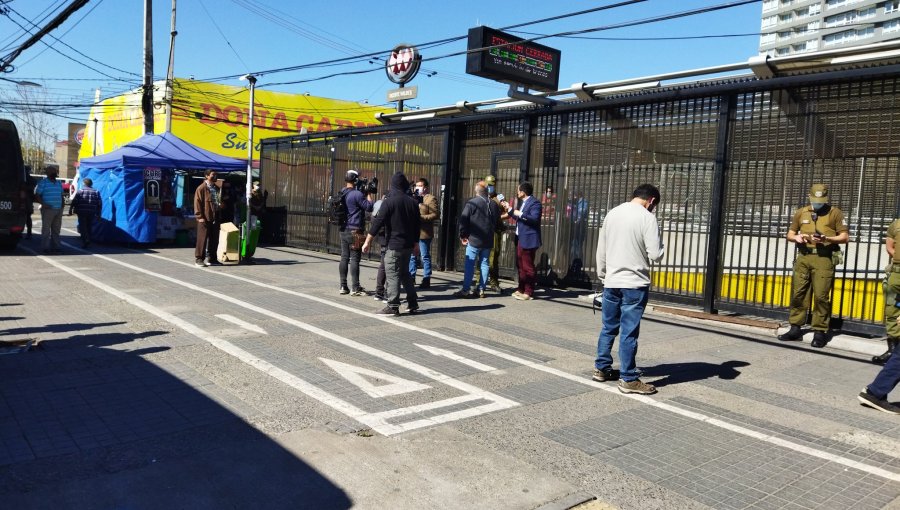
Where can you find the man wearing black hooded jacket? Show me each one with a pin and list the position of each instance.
(399, 215)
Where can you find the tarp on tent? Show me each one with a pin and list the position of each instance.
(119, 177)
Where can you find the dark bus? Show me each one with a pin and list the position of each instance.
(13, 183)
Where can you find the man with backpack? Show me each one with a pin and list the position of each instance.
(348, 210)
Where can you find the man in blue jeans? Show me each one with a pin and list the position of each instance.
(629, 241)
(477, 224)
(875, 394)
(429, 213)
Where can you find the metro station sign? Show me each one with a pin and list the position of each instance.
(403, 64)
(502, 57)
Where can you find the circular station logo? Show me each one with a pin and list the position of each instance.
(403, 64)
(79, 136)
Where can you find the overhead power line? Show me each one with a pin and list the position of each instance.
(644, 21)
(6, 62)
(425, 45)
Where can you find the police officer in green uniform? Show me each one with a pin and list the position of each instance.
(817, 229)
(494, 257)
(891, 293)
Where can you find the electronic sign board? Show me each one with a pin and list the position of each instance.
(511, 59)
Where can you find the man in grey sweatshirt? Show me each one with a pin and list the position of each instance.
(629, 241)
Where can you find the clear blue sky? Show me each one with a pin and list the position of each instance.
(227, 37)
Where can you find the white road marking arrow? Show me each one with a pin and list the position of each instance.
(361, 377)
(246, 325)
(444, 353)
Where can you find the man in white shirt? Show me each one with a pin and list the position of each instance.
(629, 241)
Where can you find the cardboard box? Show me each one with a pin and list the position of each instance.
(229, 244)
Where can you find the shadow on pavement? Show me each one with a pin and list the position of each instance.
(676, 373)
(771, 341)
(459, 309)
(110, 429)
(56, 328)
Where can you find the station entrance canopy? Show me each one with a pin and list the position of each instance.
(214, 117)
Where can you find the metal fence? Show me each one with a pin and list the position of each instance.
(733, 160)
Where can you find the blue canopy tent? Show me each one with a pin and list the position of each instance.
(119, 177)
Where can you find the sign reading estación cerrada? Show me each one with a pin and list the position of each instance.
(500, 56)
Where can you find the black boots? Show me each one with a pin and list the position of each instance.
(820, 338)
(792, 334)
(882, 358)
(426, 283)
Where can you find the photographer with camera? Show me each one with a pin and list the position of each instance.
(352, 230)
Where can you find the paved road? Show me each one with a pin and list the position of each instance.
(161, 385)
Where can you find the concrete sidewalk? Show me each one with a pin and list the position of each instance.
(840, 341)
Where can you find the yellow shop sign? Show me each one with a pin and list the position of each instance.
(215, 117)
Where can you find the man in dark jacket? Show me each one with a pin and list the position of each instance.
(399, 216)
(87, 205)
(477, 225)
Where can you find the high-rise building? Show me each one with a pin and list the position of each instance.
(800, 26)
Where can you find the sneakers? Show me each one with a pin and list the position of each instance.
(426, 283)
(464, 294)
(516, 293)
(345, 290)
(521, 296)
(636, 386)
(820, 339)
(388, 311)
(380, 297)
(411, 309)
(792, 334)
(199, 263)
(479, 294)
(867, 399)
(494, 287)
(607, 374)
(359, 292)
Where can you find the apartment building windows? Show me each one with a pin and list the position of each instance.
(890, 26)
(769, 5)
(769, 21)
(848, 36)
(892, 6)
(846, 18)
(833, 4)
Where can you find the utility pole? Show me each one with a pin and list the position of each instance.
(147, 95)
(170, 76)
(252, 80)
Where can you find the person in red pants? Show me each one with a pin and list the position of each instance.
(528, 238)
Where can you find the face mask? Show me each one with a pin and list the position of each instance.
(549, 194)
(818, 207)
(420, 190)
(491, 189)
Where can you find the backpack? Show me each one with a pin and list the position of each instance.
(337, 209)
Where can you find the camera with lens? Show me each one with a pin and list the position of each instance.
(367, 186)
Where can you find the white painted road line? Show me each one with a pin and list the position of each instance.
(493, 402)
(456, 357)
(768, 438)
(496, 405)
(244, 324)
